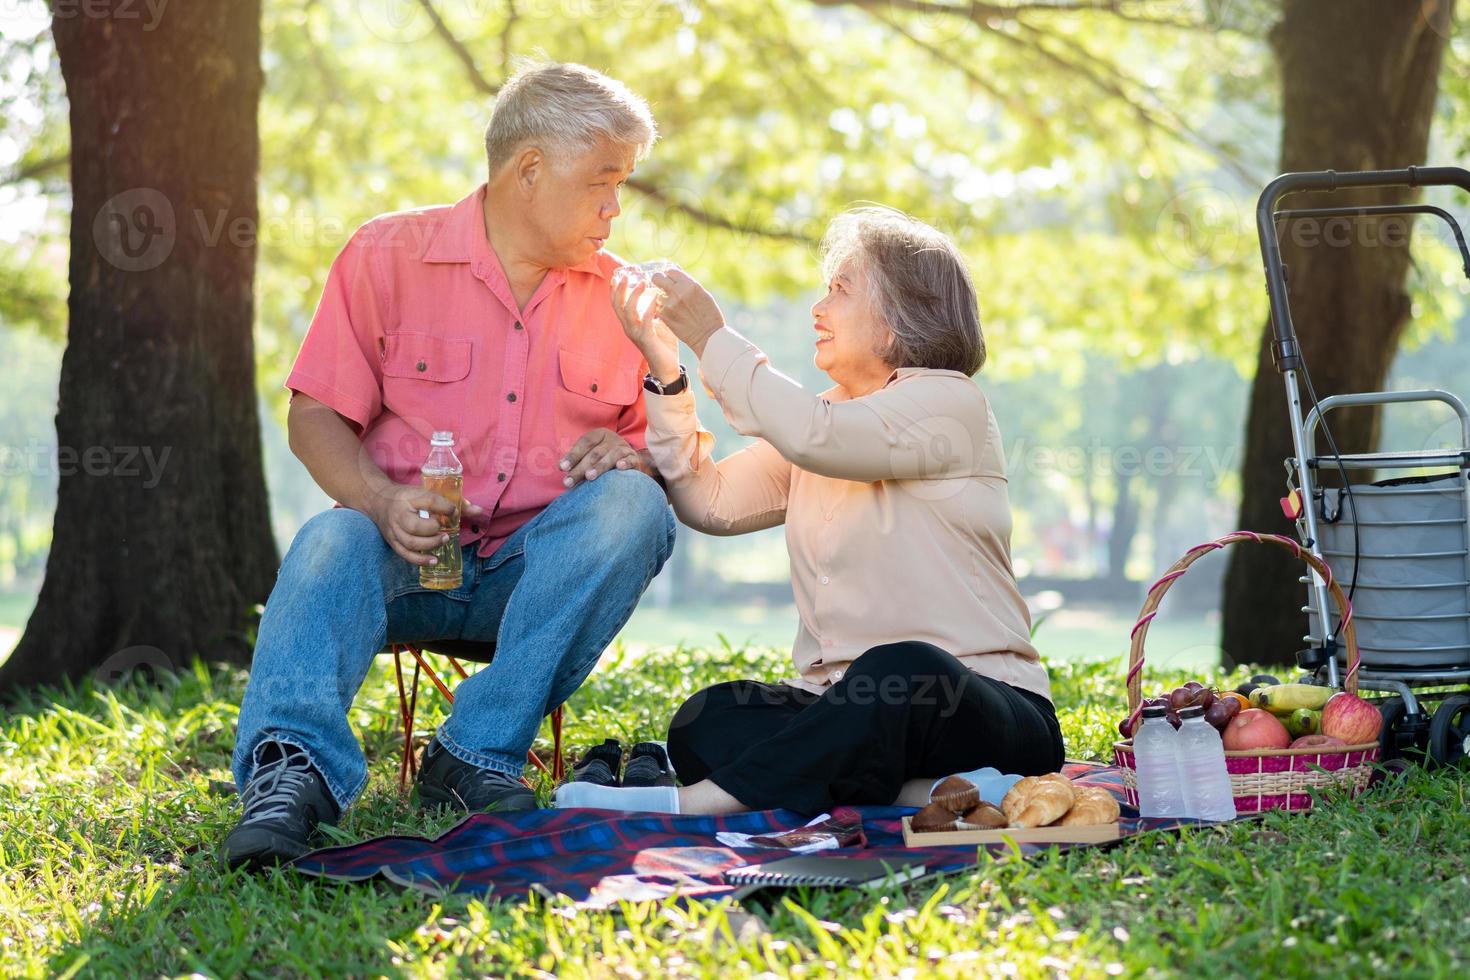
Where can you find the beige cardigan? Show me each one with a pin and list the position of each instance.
(897, 519)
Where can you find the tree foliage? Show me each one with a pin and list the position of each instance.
(1097, 160)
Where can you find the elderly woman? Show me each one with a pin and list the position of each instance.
(913, 651)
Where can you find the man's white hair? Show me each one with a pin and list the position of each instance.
(564, 109)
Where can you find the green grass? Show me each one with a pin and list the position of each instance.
(110, 811)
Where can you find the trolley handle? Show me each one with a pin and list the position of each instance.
(1332, 180)
(1309, 440)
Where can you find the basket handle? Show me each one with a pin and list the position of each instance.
(1347, 628)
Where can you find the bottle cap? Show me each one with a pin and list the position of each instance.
(442, 439)
(1193, 711)
(1156, 711)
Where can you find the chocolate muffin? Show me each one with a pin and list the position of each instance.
(932, 818)
(986, 816)
(955, 794)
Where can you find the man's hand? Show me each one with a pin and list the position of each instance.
(413, 538)
(597, 452)
(659, 347)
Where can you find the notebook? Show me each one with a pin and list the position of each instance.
(825, 871)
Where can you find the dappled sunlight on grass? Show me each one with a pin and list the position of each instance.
(112, 802)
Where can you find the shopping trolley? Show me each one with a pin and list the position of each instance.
(1401, 545)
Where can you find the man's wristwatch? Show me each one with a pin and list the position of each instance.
(650, 383)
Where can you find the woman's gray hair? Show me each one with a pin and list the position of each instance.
(918, 287)
(565, 108)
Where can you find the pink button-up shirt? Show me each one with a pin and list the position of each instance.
(418, 330)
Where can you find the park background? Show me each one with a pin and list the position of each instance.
(1098, 162)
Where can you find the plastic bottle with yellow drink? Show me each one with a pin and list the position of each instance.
(444, 474)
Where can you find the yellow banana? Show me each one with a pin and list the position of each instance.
(1283, 699)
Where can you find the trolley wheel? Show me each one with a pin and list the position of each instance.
(1402, 734)
(1449, 731)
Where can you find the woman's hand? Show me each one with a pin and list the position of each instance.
(687, 309)
(660, 348)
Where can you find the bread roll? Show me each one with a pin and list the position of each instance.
(1093, 806)
(1038, 800)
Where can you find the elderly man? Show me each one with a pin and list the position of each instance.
(491, 318)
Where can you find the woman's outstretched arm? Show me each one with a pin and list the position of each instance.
(745, 491)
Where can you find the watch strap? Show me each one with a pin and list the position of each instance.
(675, 387)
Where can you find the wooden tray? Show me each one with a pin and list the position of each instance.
(1021, 835)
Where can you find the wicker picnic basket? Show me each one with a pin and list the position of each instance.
(1264, 779)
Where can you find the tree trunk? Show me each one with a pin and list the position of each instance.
(1359, 80)
(1125, 526)
(162, 541)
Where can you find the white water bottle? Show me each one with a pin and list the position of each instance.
(1156, 760)
(1207, 793)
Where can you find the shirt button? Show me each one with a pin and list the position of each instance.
(837, 675)
(825, 580)
(519, 326)
(828, 517)
(500, 477)
(474, 529)
(511, 397)
(594, 386)
(421, 366)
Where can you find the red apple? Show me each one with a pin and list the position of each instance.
(1316, 741)
(1351, 719)
(1255, 728)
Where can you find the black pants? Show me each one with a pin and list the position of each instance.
(902, 711)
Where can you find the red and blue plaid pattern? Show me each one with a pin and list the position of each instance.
(604, 854)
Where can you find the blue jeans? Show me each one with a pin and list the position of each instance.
(552, 597)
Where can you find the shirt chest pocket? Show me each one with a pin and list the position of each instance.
(424, 378)
(593, 393)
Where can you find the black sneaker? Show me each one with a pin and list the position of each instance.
(648, 765)
(600, 764)
(445, 780)
(284, 802)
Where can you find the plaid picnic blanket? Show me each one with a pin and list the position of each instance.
(597, 857)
